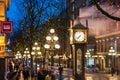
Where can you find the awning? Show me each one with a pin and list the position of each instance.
(6, 55)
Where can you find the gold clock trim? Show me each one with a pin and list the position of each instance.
(85, 36)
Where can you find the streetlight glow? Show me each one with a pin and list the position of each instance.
(52, 30)
(36, 43)
(39, 53)
(48, 38)
(24, 55)
(33, 48)
(87, 54)
(55, 38)
(26, 49)
(28, 55)
(33, 53)
(47, 46)
(38, 48)
(18, 55)
(111, 51)
(57, 46)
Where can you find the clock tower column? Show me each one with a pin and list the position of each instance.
(78, 41)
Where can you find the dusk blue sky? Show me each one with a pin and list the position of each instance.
(12, 13)
(15, 12)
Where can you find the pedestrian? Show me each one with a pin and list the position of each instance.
(26, 73)
(32, 74)
(117, 71)
(40, 74)
(45, 72)
(55, 74)
(112, 71)
(11, 75)
(48, 76)
(60, 72)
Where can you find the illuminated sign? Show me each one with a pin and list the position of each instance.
(0, 26)
(6, 27)
(2, 11)
(2, 40)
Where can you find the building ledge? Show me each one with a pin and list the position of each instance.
(6, 55)
(108, 35)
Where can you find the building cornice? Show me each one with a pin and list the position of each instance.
(108, 35)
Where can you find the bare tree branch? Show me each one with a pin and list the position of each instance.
(105, 13)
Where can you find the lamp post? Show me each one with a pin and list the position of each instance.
(26, 55)
(87, 55)
(112, 53)
(56, 57)
(64, 58)
(70, 60)
(36, 52)
(52, 43)
(18, 55)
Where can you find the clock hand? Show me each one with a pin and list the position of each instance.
(78, 36)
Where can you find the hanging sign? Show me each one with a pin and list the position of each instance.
(7, 27)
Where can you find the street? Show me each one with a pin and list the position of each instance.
(67, 74)
(100, 76)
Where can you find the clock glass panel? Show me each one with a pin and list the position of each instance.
(79, 36)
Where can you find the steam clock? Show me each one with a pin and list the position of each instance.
(78, 41)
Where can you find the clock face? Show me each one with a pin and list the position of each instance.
(79, 36)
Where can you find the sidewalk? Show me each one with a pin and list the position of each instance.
(100, 76)
(66, 75)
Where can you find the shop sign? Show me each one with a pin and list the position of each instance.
(7, 27)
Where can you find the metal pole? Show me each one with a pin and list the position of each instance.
(52, 60)
(26, 60)
(36, 64)
(59, 61)
(112, 61)
(36, 60)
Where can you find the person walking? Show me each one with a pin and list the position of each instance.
(32, 74)
(40, 74)
(60, 72)
(48, 76)
(26, 73)
(11, 75)
(112, 71)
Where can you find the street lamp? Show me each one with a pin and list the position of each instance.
(26, 55)
(18, 55)
(36, 52)
(64, 58)
(112, 53)
(70, 60)
(51, 44)
(87, 55)
(57, 57)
